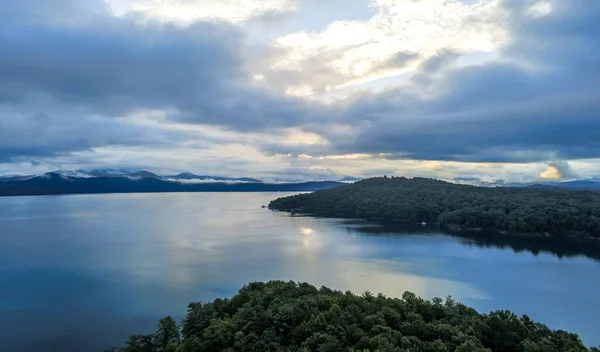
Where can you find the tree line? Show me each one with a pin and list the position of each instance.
(522, 210)
(286, 316)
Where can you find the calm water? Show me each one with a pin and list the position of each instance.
(81, 273)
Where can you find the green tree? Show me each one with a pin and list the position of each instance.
(139, 343)
(531, 210)
(471, 346)
(167, 333)
(287, 317)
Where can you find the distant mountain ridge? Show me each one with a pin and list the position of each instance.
(118, 181)
(190, 176)
(583, 184)
(137, 174)
(183, 177)
(120, 176)
(577, 184)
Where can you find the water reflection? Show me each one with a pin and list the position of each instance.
(307, 231)
(559, 247)
(116, 263)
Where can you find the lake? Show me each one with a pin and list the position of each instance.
(81, 273)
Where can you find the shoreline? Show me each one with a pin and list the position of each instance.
(455, 230)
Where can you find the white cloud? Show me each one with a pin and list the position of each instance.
(214, 128)
(196, 182)
(186, 11)
(540, 9)
(557, 170)
(358, 51)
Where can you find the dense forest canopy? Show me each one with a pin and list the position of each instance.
(286, 316)
(526, 210)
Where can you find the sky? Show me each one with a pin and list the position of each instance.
(303, 89)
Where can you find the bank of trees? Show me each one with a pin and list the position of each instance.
(529, 210)
(288, 316)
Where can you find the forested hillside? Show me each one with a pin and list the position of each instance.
(543, 211)
(285, 316)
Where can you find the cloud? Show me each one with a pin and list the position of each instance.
(195, 182)
(539, 101)
(317, 73)
(540, 8)
(553, 173)
(189, 11)
(557, 170)
(81, 85)
(113, 66)
(66, 86)
(395, 39)
(28, 134)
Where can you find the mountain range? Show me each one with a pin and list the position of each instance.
(126, 181)
(135, 181)
(136, 174)
(584, 184)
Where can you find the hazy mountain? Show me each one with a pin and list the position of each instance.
(70, 173)
(74, 182)
(577, 184)
(108, 173)
(587, 184)
(188, 176)
(184, 176)
(142, 174)
(124, 181)
(132, 174)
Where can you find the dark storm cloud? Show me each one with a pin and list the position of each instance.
(543, 129)
(544, 106)
(26, 134)
(67, 70)
(112, 65)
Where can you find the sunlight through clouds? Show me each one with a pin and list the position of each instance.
(357, 51)
(307, 231)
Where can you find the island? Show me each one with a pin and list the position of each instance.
(524, 211)
(289, 316)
